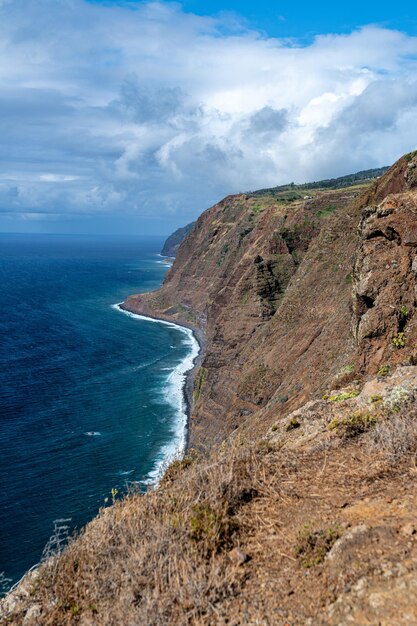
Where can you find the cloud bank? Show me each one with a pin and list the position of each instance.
(150, 111)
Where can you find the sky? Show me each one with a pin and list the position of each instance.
(133, 117)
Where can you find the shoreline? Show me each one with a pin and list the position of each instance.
(187, 386)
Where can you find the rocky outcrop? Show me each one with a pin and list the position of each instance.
(384, 274)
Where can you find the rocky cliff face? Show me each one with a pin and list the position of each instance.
(268, 279)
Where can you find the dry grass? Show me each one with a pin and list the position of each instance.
(165, 557)
(395, 435)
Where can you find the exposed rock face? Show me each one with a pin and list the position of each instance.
(385, 282)
(174, 241)
(270, 284)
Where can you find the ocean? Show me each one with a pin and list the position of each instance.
(90, 397)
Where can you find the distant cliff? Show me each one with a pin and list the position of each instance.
(174, 241)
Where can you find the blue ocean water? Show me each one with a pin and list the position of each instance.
(88, 401)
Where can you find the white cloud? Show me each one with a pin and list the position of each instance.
(114, 109)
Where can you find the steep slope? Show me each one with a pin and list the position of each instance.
(314, 524)
(174, 241)
(268, 279)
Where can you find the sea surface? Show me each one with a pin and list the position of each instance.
(90, 398)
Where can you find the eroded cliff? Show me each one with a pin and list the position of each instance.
(268, 279)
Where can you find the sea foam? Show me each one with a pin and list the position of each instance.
(174, 394)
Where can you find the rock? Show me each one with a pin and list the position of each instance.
(238, 556)
(32, 615)
(409, 529)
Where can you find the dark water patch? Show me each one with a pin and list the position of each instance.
(86, 403)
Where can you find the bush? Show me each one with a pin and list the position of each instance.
(313, 546)
(395, 436)
(345, 395)
(353, 425)
(384, 370)
(399, 340)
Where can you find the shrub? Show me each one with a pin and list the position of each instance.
(399, 340)
(404, 312)
(395, 436)
(353, 425)
(292, 424)
(312, 546)
(384, 370)
(345, 395)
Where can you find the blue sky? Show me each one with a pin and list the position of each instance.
(133, 117)
(287, 18)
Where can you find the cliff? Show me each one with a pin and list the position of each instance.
(268, 278)
(296, 504)
(174, 241)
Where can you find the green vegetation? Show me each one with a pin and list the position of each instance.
(327, 211)
(292, 424)
(199, 382)
(399, 340)
(212, 526)
(384, 370)
(244, 298)
(353, 425)
(243, 233)
(257, 208)
(408, 157)
(292, 192)
(404, 312)
(345, 395)
(312, 547)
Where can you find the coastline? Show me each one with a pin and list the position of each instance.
(187, 385)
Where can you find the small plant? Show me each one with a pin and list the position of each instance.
(399, 340)
(211, 526)
(408, 157)
(395, 436)
(384, 370)
(376, 398)
(353, 425)
(292, 424)
(404, 312)
(58, 540)
(312, 546)
(274, 428)
(345, 395)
